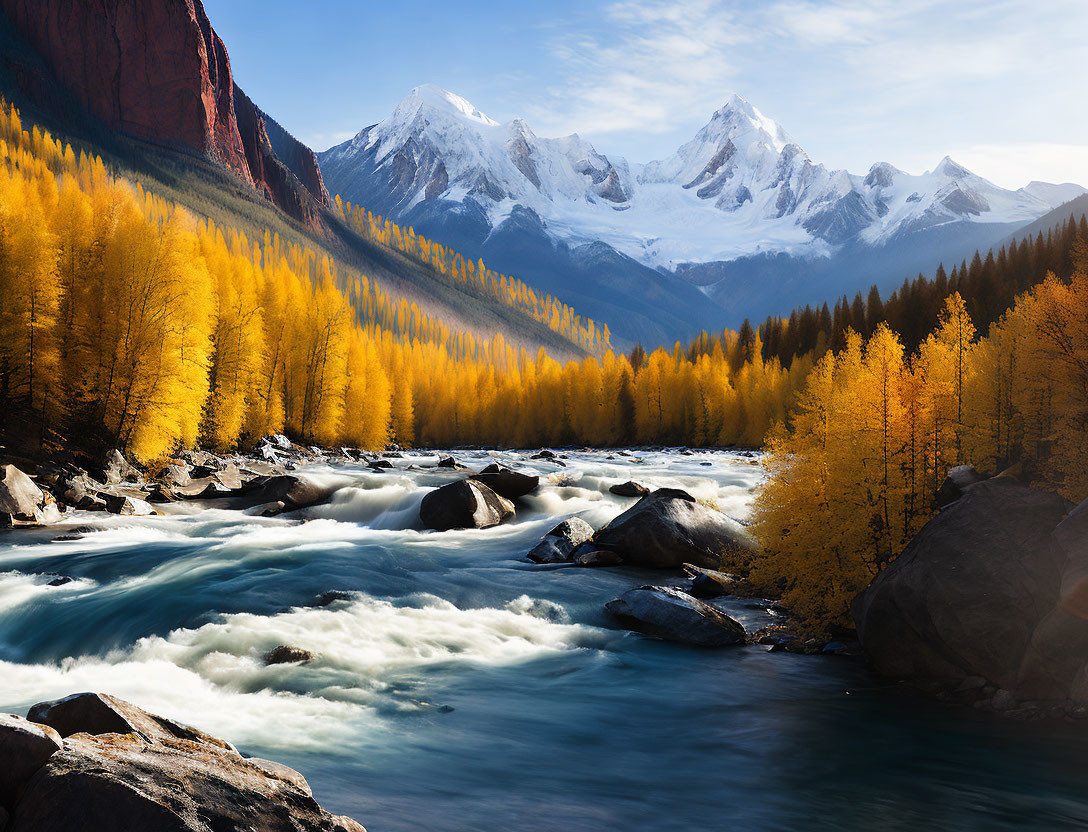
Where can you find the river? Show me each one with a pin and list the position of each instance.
(459, 687)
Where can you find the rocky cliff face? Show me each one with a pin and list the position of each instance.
(159, 72)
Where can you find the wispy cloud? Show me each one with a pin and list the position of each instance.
(843, 71)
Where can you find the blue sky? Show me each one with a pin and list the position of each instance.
(1001, 86)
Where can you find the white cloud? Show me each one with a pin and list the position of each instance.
(854, 80)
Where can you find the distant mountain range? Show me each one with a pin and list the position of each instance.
(740, 211)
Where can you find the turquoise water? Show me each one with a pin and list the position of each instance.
(459, 687)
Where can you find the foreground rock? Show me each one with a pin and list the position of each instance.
(121, 768)
(672, 615)
(559, 544)
(19, 496)
(979, 592)
(464, 505)
(513, 485)
(668, 528)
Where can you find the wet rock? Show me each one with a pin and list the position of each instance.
(293, 490)
(19, 496)
(506, 482)
(545, 454)
(957, 482)
(272, 509)
(381, 464)
(145, 772)
(124, 504)
(969, 591)
(672, 615)
(286, 654)
(467, 504)
(60, 580)
(710, 583)
(629, 489)
(24, 748)
(100, 713)
(450, 462)
(77, 533)
(667, 528)
(162, 493)
(598, 557)
(332, 596)
(558, 545)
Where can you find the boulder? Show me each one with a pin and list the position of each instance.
(506, 482)
(629, 489)
(959, 479)
(381, 464)
(466, 504)
(967, 594)
(100, 713)
(670, 614)
(175, 474)
(286, 654)
(124, 504)
(154, 778)
(19, 496)
(449, 462)
(558, 545)
(24, 748)
(667, 528)
(293, 490)
(115, 468)
(710, 583)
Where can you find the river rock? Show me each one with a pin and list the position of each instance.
(19, 496)
(467, 504)
(286, 654)
(559, 544)
(124, 504)
(141, 774)
(667, 528)
(293, 490)
(710, 583)
(670, 614)
(100, 713)
(629, 489)
(506, 482)
(966, 596)
(597, 557)
(175, 474)
(24, 748)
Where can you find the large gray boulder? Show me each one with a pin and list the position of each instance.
(24, 748)
(506, 482)
(670, 614)
(295, 491)
(668, 528)
(464, 505)
(967, 594)
(19, 496)
(559, 544)
(154, 778)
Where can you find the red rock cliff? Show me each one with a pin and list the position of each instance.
(158, 71)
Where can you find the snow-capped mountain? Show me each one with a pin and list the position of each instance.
(741, 188)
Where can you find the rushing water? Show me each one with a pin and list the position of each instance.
(460, 687)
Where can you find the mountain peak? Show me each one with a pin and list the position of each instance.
(950, 168)
(433, 97)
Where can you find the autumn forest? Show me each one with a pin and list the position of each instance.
(126, 318)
